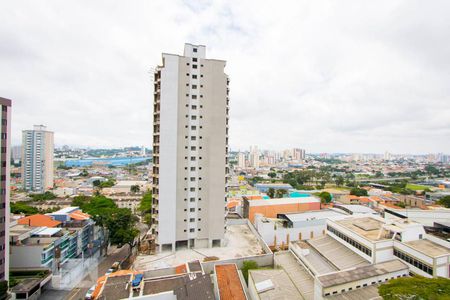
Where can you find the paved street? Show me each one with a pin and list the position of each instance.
(115, 254)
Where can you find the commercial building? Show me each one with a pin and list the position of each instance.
(37, 159)
(190, 146)
(4, 187)
(270, 208)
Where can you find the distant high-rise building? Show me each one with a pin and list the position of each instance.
(16, 153)
(298, 154)
(254, 157)
(241, 160)
(190, 147)
(4, 187)
(37, 159)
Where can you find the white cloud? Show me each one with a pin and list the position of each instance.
(325, 75)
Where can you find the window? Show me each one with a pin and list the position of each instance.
(194, 86)
(192, 209)
(194, 59)
(187, 74)
(194, 76)
(192, 189)
(193, 127)
(192, 220)
(194, 96)
(194, 49)
(414, 262)
(193, 117)
(192, 230)
(192, 168)
(194, 66)
(187, 84)
(192, 199)
(193, 148)
(194, 106)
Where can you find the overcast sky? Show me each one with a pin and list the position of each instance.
(327, 76)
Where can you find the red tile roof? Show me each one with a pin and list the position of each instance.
(38, 221)
(229, 283)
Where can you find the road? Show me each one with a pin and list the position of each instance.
(115, 254)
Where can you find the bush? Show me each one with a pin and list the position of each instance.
(415, 288)
(358, 192)
(248, 265)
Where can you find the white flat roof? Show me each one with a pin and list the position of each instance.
(354, 208)
(314, 215)
(278, 201)
(47, 231)
(65, 210)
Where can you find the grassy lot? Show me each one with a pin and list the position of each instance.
(416, 187)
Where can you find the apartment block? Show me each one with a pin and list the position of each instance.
(4, 187)
(190, 146)
(37, 159)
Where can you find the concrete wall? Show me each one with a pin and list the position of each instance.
(26, 256)
(271, 211)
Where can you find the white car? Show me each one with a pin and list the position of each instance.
(90, 292)
(109, 272)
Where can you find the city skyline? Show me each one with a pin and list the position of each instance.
(381, 87)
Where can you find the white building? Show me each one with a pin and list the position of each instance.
(241, 160)
(190, 146)
(37, 159)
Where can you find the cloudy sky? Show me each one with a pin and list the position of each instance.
(328, 76)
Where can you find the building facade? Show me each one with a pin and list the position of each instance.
(4, 187)
(190, 146)
(37, 159)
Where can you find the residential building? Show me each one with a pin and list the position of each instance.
(4, 187)
(37, 159)
(190, 146)
(241, 160)
(49, 241)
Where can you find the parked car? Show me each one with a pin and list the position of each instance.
(109, 272)
(116, 266)
(90, 292)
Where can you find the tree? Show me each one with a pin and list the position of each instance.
(379, 174)
(23, 208)
(325, 197)
(415, 288)
(96, 183)
(339, 180)
(280, 193)
(248, 265)
(358, 192)
(42, 197)
(445, 201)
(119, 222)
(135, 188)
(271, 192)
(272, 174)
(84, 173)
(121, 225)
(145, 207)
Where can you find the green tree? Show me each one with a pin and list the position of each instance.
(135, 188)
(415, 288)
(42, 197)
(248, 265)
(119, 222)
(358, 192)
(23, 208)
(96, 183)
(339, 180)
(280, 193)
(145, 207)
(325, 197)
(107, 183)
(445, 201)
(84, 173)
(272, 174)
(271, 192)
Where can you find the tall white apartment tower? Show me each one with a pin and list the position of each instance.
(190, 146)
(37, 159)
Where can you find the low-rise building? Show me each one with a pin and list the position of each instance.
(270, 208)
